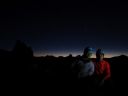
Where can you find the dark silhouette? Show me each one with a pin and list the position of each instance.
(20, 67)
(21, 50)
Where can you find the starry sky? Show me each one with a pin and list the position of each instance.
(63, 28)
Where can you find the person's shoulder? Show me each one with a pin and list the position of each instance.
(89, 63)
(105, 62)
(79, 61)
(92, 62)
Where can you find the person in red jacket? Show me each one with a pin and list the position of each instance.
(102, 68)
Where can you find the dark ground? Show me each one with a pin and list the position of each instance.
(24, 74)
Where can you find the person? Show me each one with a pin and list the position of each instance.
(102, 72)
(84, 68)
(102, 67)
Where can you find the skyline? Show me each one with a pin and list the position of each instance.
(59, 51)
(57, 54)
(107, 55)
(68, 52)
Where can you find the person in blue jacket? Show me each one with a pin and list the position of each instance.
(84, 67)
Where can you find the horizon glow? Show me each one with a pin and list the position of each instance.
(64, 54)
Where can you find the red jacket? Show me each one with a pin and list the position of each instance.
(102, 69)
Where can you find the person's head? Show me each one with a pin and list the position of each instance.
(99, 54)
(87, 52)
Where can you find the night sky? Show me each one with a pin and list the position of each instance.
(63, 28)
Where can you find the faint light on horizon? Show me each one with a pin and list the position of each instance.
(57, 54)
(64, 54)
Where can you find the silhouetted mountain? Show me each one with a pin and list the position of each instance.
(21, 50)
(122, 59)
(121, 56)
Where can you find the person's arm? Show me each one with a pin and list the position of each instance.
(107, 71)
(106, 75)
(91, 69)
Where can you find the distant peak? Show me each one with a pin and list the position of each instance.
(121, 56)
